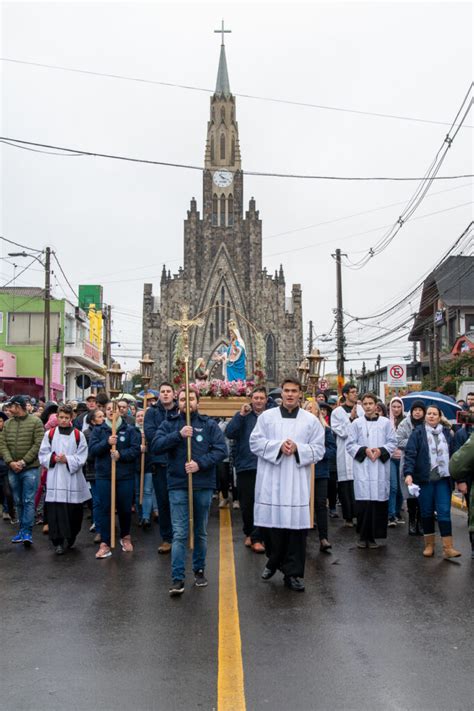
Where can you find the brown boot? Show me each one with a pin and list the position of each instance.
(448, 550)
(164, 548)
(429, 550)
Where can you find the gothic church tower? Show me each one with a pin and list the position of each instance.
(222, 276)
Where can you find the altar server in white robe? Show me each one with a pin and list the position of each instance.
(371, 441)
(63, 453)
(286, 440)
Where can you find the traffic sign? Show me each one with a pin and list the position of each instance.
(83, 381)
(397, 375)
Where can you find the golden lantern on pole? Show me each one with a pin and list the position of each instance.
(146, 371)
(115, 374)
(303, 370)
(314, 359)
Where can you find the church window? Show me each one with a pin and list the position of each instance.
(212, 149)
(232, 151)
(171, 354)
(230, 211)
(213, 114)
(214, 209)
(228, 311)
(232, 114)
(223, 114)
(217, 319)
(222, 201)
(222, 146)
(211, 330)
(270, 357)
(223, 311)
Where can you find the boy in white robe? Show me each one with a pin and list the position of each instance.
(286, 440)
(371, 441)
(63, 453)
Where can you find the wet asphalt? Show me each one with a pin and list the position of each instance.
(383, 629)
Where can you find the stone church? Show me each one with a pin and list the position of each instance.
(222, 276)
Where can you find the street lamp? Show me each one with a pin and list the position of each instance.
(47, 310)
(146, 370)
(303, 370)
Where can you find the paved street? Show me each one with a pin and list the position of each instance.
(381, 629)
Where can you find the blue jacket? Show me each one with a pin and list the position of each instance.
(239, 429)
(417, 455)
(462, 436)
(321, 469)
(128, 444)
(155, 415)
(208, 449)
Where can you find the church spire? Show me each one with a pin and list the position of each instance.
(222, 83)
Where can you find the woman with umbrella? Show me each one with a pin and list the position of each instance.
(426, 465)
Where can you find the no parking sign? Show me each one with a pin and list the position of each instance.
(397, 375)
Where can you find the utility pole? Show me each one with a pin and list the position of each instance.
(310, 339)
(339, 323)
(47, 326)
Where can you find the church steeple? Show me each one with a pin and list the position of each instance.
(222, 83)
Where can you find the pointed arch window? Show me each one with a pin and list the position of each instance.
(270, 357)
(223, 114)
(214, 209)
(232, 151)
(222, 146)
(212, 149)
(228, 311)
(217, 319)
(222, 311)
(230, 210)
(222, 201)
(232, 114)
(211, 332)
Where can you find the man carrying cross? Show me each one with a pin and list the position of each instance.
(208, 449)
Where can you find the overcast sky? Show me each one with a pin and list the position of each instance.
(116, 223)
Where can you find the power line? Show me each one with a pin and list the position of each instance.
(417, 198)
(65, 277)
(19, 273)
(188, 87)
(17, 244)
(8, 140)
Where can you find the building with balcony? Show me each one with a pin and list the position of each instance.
(75, 348)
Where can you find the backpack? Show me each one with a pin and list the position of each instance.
(77, 435)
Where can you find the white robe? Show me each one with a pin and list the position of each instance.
(66, 482)
(282, 487)
(371, 479)
(340, 424)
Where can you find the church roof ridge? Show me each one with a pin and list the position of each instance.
(222, 83)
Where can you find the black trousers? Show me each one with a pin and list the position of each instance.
(246, 487)
(286, 550)
(332, 487)
(225, 483)
(321, 507)
(346, 497)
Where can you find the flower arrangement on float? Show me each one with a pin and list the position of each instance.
(222, 388)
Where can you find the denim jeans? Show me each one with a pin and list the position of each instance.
(24, 486)
(395, 501)
(160, 483)
(180, 521)
(124, 500)
(144, 511)
(436, 496)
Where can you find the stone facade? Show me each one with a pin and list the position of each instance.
(222, 276)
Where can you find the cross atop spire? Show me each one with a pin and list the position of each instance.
(222, 31)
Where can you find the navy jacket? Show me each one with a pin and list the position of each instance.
(462, 436)
(417, 455)
(128, 444)
(239, 429)
(321, 469)
(208, 449)
(155, 415)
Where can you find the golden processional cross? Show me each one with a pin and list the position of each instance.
(184, 324)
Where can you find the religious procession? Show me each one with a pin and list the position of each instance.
(287, 459)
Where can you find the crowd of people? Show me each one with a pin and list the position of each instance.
(359, 460)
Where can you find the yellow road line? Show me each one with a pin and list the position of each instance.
(230, 671)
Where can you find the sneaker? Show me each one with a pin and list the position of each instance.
(146, 525)
(392, 522)
(92, 528)
(14, 521)
(236, 505)
(27, 540)
(177, 588)
(18, 538)
(103, 552)
(400, 521)
(6, 516)
(127, 545)
(224, 504)
(333, 513)
(362, 544)
(348, 524)
(59, 550)
(373, 544)
(200, 580)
